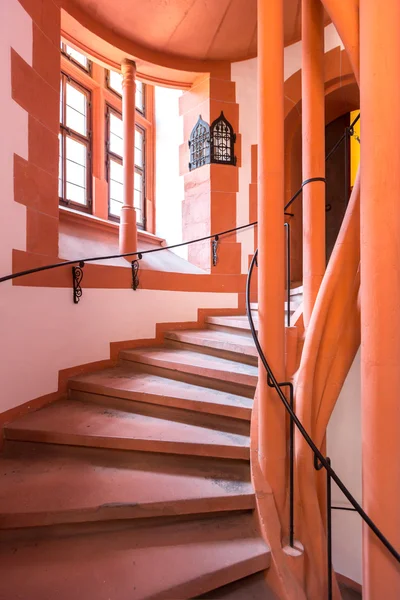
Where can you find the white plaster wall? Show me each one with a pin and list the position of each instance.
(344, 446)
(169, 184)
(41, 330)
(244, 74)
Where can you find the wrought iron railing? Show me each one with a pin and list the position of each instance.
(320, 461)
(78, 264)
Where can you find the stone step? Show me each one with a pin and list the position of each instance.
(78, 423)
(253, 587)
(43, 485)
(125, 383)
(174, 560)
(195, 363)
(216, 340)
(240, 323)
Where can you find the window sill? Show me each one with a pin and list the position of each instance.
(71, 216)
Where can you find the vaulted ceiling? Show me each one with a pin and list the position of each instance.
(189, 29)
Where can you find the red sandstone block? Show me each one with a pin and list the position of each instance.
(229, 258)
(51, 21)
(46, 58)
(34, 94)
(254, 163)
(43, 147)
(223, 212)
(35, 187)
(230, 110)
(224, 178)
(252, 202)
(222, 90)
(33, 8)
(41, 233)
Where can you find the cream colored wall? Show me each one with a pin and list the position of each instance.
(344, 448)
(169, 184)
(41, 330)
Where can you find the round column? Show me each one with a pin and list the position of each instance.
(313, 142)
(128, 227)
(271, 257)
(380, 290)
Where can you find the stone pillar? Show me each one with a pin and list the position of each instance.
(380, 290)
(128, 227)
(271, 246)
(313, 116)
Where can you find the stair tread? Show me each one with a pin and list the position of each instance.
(178, 560)
(253, 587)
(215, 339)
(124, 382)
(194, 362)
(85, 423)
(239, 322)
(68, 484)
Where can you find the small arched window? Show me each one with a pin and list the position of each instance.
(222, 142)
(199, 144)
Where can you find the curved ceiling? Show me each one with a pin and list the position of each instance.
(189, 29)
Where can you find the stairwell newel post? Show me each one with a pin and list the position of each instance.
(128, 227)
(271, 243)
(380, 291)
(313, 147)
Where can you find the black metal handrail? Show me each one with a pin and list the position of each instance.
(138, 253)
(320, 461)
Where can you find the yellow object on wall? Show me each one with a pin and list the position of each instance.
(354, 147)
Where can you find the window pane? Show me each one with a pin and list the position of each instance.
(76, 109)
(115, 82)
(76, 152)
(116, 188)
(77, 56)
(60, 163)
(139, 139)
(61, 102)
(116, 139)
(138, 195)
(139, 99)
(75, 171)
(75, 194)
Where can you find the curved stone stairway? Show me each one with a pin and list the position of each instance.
(138, 485)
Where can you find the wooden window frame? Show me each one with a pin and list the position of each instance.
(71, 59)
(66, 132)
(101, 96)
(118, 95)
(117, 158)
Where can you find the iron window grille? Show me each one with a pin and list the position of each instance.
(215, 144)
(222, 141)
(199, 145)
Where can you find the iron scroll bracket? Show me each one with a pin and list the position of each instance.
(77, 276)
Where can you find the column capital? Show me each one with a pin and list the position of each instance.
(128, 65)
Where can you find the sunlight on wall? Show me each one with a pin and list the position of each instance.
(345, 451)
(169, 184)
